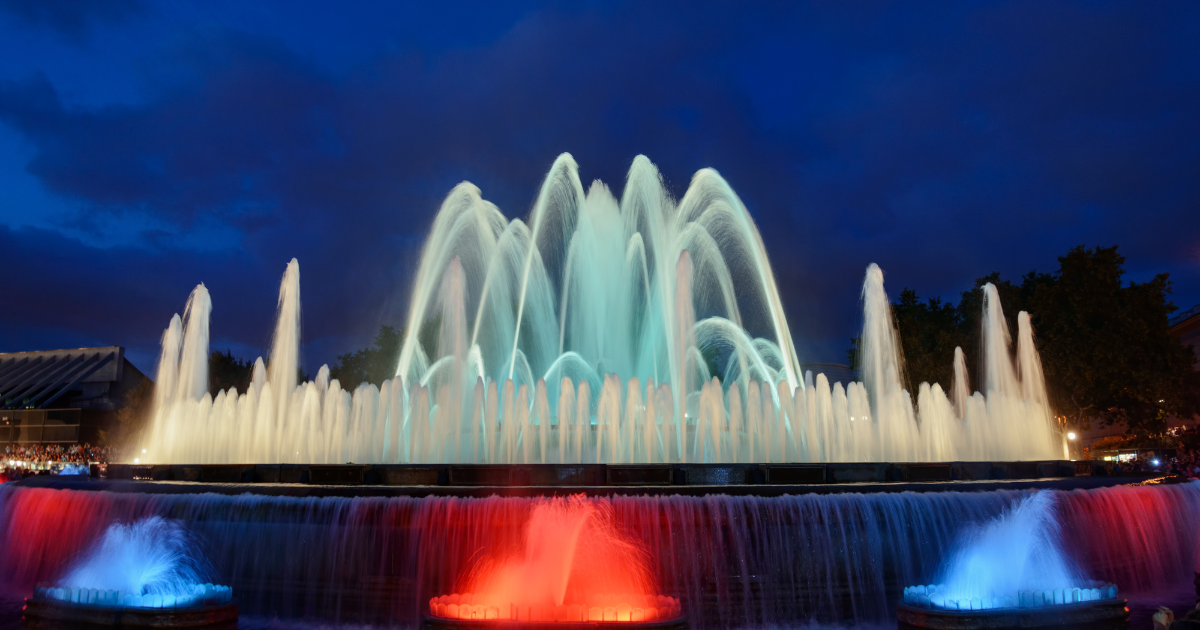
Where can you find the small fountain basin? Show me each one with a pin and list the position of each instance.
(1091, 606)
(210, 606)
(448, 611)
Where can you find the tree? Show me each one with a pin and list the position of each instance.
(853, 358)
(370, 365)
(1105, 346)
(131, 419)
(226, 370)
(929, 332)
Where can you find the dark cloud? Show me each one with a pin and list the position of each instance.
(942, 142)
(73, 19)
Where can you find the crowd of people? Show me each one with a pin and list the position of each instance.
(1186, 463)
(21, 461)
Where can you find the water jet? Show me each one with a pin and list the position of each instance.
(144, 574)
(1012, 572)
(577, 566)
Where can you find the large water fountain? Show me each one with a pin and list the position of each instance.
(638, 330)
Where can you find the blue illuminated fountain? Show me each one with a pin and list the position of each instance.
(149, 566)
(1013, 563)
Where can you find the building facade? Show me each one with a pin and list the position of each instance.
(63, 396)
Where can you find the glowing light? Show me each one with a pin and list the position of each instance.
(137, 460)
(143, 451)
(607, 577)
(999, 563)
(1155, 462)
(1071, 435)
(146, 564)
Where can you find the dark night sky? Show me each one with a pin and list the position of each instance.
(146, 147)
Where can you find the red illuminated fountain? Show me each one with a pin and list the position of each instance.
(576, 567)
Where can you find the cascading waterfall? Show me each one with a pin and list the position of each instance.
(638, 330)
(732, 561)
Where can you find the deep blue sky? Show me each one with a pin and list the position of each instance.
(146, 147)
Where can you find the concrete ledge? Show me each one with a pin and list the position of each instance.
(337, 475)
(640, 475)
(568, 475)
(858, 473)
(718, 474)
(521, 488)
(1102, 615)
(928, 472)
(41, 613)
(439, 623)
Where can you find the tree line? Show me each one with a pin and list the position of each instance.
(373, 364)
(1105, 345)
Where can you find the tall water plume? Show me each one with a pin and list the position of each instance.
(638, 330)
(152, 556)
(283, 369)
(193, 357)
(1018, 550)
(962, 385)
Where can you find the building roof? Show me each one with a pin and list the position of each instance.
(1183, 316)
(83, 377)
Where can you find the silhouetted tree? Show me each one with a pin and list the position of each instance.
(1106, 350)
(226, 370)
(1106, 346)
(370, 365)
(131, 418)
(929, 332)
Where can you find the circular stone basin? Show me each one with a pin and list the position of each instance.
(212, 606)
(439, 623)
(1094, 606)
(463, 611)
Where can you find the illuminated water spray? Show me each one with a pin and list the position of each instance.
(1013, 561)
(151, 563)
(642, 329)
(575, 565)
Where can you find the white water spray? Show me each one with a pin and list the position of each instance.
(533, 345)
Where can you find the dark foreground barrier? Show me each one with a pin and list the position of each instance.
(48, 613)
(1102, 615)
(439, 623)
(599, 474)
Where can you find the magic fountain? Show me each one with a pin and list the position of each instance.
(583, 337)
(616, 337)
